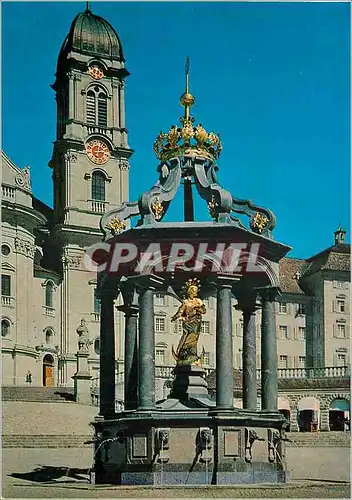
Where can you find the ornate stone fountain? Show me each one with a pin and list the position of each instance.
(189, 438)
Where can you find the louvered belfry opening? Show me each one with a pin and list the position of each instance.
(97, 112)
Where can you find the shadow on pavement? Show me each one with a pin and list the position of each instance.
(46, 473)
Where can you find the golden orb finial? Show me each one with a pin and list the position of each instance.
(187, 99)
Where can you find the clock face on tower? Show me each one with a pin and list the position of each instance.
(95, 72)
(98, 152)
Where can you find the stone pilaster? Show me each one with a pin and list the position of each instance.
(269, 379)
(324, 419)
(107, 354)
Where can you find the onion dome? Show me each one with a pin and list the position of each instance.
(92, 35)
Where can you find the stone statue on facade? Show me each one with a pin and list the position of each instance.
(190, 312)
(83, 336)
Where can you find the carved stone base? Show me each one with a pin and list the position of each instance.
(189, 382)
(193, 448)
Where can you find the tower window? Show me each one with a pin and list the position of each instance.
(5, 327)
(49, 291)
(49, 336)
(6, 285)
(97, 303)
(97, 109)
(98, 186)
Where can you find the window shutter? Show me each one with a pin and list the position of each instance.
(334, 358)
(91, 107)
(334, 306)
(102, 110)
(334, 330)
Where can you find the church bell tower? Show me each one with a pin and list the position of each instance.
(91, 154)
(90, 165)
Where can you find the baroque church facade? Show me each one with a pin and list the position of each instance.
(47, 291)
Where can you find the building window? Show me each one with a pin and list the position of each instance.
(340, 330)
(97, 346)
(178, 326)
(341, 305)
(6, 285)
(206, 302)
(97, 303)
(282, 307)
(5, 327)
(5, 250)
(97, 109)
(283, 330)
(301, 333)
(49, 291)
(160, 324)
(340, 285)
(301, 309)
(49, 336)
(205, 327)
(283, 362)
(98, 186)
(341, 359)
(159, 299)
(206, 358)
(159, 356)
(301, 361)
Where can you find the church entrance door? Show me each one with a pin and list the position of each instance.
(48, 371)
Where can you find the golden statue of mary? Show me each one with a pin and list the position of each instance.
(190, 312)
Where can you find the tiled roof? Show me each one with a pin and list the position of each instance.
(335, 258)
(290, 270)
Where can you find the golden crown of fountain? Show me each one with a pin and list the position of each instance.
(187, 140)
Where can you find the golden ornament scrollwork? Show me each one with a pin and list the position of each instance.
(259, 222)
(116, 225)
(157, 208)
(212, 207)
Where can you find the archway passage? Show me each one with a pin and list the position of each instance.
(285, 410)
(48, 371)
(308, 414)
(339, 415)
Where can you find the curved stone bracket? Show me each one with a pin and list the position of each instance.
(221, 202)
(115, 221)
(153, 204)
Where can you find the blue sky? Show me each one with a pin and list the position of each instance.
(271, 78)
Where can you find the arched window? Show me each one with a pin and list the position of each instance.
(49, 292)
(97, 346)
(5, 327)
(97, 109)
(49, 335)
(98, 186)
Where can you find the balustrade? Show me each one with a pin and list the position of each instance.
(8, 192)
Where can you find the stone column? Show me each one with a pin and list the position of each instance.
(146, 351)
(107, 355)
(247, 304)
(224, 350)
(269, 380)
(131, 356)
